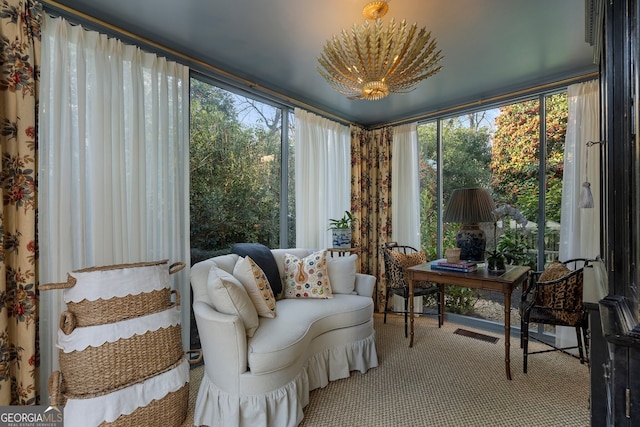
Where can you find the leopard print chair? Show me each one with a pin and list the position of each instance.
(397, 258)
(554, 297)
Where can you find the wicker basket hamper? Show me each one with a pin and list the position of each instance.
(161, 400)
(100, 295)
(121, 357)
(170, 411)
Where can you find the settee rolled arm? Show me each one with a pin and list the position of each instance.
(224, 345)
(365, 284)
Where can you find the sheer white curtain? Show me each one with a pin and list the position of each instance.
(405, 186)
(323, 177)
(405, 195)
(580, 230)
(113, 163)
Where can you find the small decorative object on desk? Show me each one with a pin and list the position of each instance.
(495, 262)
(453, 255)
(460, 266)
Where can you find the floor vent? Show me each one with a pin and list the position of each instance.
(476, 335)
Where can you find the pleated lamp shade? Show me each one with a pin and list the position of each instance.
(470, 206)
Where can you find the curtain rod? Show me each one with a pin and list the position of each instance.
(493, 100)
(232, 79)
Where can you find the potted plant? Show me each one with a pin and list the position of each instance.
(508, 248)
(341, 230)
(495, 262)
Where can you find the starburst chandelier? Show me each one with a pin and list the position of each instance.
(373, 60)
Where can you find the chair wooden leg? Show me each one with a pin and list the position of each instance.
(386, 302)
(524, 334)
(579, 338)
(406, 312)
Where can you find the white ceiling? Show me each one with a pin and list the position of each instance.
(490, 47)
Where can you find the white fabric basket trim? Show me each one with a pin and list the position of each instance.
(96, 336)
(94, 411)
(120, 282)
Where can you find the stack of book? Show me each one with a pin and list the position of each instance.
(460, 266)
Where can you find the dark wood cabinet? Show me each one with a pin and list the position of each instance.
(615, 363)
(620, 367)
(598, 359)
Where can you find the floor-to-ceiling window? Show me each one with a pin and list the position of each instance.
(455, 153)
(514, 150)
(241, 173)
(237, 193)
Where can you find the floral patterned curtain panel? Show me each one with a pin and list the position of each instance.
(371, 199)
(20, 62)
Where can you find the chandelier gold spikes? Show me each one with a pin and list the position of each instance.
(373, 60)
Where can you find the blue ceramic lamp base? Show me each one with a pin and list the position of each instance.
(472, 242)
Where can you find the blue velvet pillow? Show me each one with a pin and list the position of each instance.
(262, 256)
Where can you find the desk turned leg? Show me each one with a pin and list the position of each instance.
(507, 332)
(411, 312)
(441, 307)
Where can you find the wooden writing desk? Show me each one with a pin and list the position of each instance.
(481, 279)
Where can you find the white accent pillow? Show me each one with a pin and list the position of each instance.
(307, 277)
(229, 297)
(342, 273)
(256, 284)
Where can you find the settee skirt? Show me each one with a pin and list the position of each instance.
(283, 406)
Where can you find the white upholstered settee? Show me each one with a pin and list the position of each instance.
(265, 379)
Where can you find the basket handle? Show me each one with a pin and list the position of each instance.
(70, 283)
(68, 322)
(56, 389)
(196, 359)
(177, 294)
(176, 266)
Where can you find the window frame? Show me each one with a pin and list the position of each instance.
(287, 115)
(542, 135)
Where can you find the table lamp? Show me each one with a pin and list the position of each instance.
(470, 206)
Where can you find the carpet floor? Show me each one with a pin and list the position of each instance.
(449, 378)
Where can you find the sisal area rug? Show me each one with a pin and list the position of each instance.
(448, 379)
